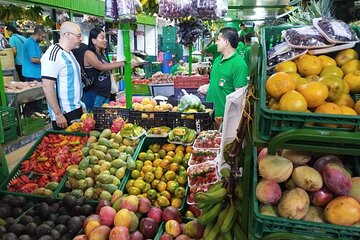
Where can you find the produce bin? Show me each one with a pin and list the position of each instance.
(30, 125)
(143, 148)
(104, 116)
(148, 119)
(272, 122)
(141, 89)
(304, 140)
(17, 169)
(7, 116)
(9, 133)
(3, 165)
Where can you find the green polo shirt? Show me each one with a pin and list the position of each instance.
(174, 69)
(226, 75)
(213, 50)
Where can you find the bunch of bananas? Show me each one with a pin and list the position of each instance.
(220, 222)
(150, 7)
(10, 13)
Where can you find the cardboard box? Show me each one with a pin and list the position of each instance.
(7, 59)
(8, 79)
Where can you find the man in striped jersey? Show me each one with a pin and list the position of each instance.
(61, 78)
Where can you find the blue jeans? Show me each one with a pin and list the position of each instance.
(100, 100)
(89, 99)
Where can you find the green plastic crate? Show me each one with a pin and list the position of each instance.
(169, 30)
(272, 122)
(10, 134)
(30, 125)
(16, 171)
(261, 225)
(141, 89)
(7, 116)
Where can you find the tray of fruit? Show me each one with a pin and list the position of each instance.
(156, 132)
(202, 155)
(182, 135)
(207, 144)
(201, 174)
(197, 188)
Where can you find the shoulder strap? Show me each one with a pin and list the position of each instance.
(19, 38)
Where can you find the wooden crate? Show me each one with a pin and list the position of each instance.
(7, 59)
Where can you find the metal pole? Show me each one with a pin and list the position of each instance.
(2, 88)
(202, 47)
(190, 59)
(128, 84)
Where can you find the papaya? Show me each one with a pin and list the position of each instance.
(77, 193)
(93, 159)
(118, 163)
(80, 174)
(110, 187)
(131, 164)
(114, 153)
(84, 163)
(106, 133)
(100, 155)
(101, 148)
(105, 142)
(95, 133)
(52, 185)
(88, 194)
(85, 151)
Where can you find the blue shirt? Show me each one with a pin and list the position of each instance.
(17, 41)
(31, 50)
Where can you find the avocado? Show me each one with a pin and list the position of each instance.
(18, 201)
(37, 220)
(55, 207)
(8, 199)
(44, 211)
(80, 201)
(9, 222)
(69, 201)
(50, 223)
(87, 209)
(16, 212)
(2, 230)
(26, 219)
(30, 229)
(53, 217)
(63, 219)
(46, 237)
(61, 228)
(31, 212)
(24, 237)
(67, 236)
(74, 225)
(42, 230)
(9, 236)
(17, 228)
(28, 205)
(55, 234)
(4, 212)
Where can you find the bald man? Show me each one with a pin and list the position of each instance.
(61, 78)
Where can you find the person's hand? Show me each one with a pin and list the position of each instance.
(61, 121)
(84, 109)
(203, 89)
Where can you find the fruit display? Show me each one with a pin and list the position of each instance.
(21, 86)
(202, 155)
(42, 218)
(318, 84)
(201, 174)
(173, 229)
(323, 189)
(210, 139)
(150, 105)
(86, 124)
(41, 172)
(141, 81)
(131, 131)
(162, 78)
(121, 102)
(107, 156)
(160, 173)
(182, 135)
(158, 131)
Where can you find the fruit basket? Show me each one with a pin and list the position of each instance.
(272, 122)
(30, 175)
(262, 224)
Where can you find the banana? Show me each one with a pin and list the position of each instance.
(208, 216)
(222, 215)
(213, 235)
(228, 236)
(215, 187)
(238, 190)
(238, 232)
(216, 196)
(230, 219)
(208, 228)
(238, 204)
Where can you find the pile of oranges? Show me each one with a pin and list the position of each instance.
(318, 84)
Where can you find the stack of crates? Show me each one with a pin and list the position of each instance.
(8, 124)
(152, 66)
(169, 43)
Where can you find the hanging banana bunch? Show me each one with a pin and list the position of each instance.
(10, 13)
(150, 7)
(34, 13)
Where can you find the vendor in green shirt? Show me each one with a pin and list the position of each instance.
(229, 72)
(211, 48)
(175, 68)
(245, 50)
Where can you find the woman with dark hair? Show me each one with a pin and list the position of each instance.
(98, 67)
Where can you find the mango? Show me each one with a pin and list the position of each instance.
(131, 203)
(100, 233)
(122, 218)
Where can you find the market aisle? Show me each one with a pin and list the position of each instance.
(14, 157)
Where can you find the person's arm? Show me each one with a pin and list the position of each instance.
(34, 54)
(240, 76)
(13, 46)
(35, 60)
(51, 98)
(91, 59)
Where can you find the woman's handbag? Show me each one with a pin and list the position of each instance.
(86, 80)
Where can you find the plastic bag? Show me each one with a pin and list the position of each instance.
(190, 32)
(335, 31)
(305, 37)
(111, 9)
(189, 101)
(210, 9)
(287, 56)
(278, 49)
(126, 10)
(175, 8)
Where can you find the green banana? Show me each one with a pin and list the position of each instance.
(222, 216)
(208, 228)
(213, 233)
(238, 232)
(215, 187)
(228, 236)
(208, 216)
(238, 190)
(230, 219)
(238, 204)
(216, 196)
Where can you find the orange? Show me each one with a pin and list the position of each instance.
(161, 186)
(157, 162)
(309, 65)
(313, 78)
(345, 56)
(188, 149)
(353, 80)
(294, 75)
(327, 61)
(357, 107)
(176, 202)
(273, 104)
(299, 82)
(351, 66)
(346, 88)
(345, 100)
(278, 84)
(171, 153)
(347, 111)
(293, 101)
(287, 66)
(332, 70)
(179, 148)
(328, 108)
(315, 93)
(170, 147)
(334, 84)
(166, 194)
